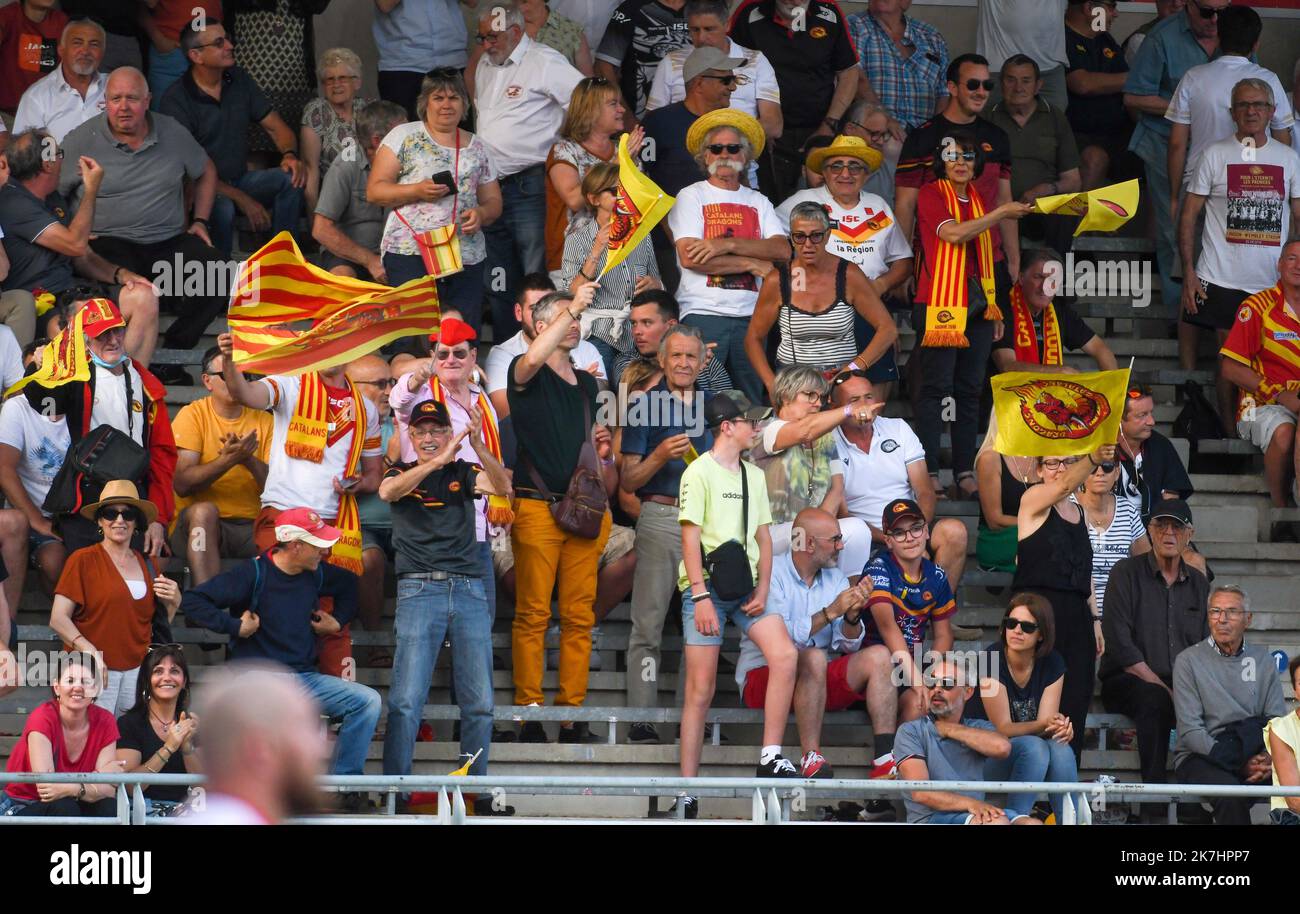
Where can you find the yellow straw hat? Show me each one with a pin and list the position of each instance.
(852, 146)
(725, 117)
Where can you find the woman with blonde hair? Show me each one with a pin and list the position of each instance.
(329, 121)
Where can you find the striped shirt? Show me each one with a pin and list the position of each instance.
(817, 339)
(910, 87)
(608, 313)
(1266, 336)
(1113, 543)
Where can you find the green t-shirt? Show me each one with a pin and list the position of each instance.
(711, 497)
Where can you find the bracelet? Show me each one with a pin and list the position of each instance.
(81, 791)
(583, 274)
(287, 153)
(831, 122)
(201, 220)
(161, 750)
(115, 279)
(848, 411)
(697, 597)
(1096, 618)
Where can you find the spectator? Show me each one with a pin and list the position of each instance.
(593, 15)
(1225, 693)
(107, 597)
(1054, 560)
(1153, 614)
(141, 216)
(163, 22)
(1032, 28)
(277, 43)
(1164, 9)
(816, 323)
(735, 585)
(546, 26)
(586, 249)
(1023, 702)
(441, 590)
(330, 121)
(216, 101)
(126, 397)
(345, 223)
(727, 238)
(640, 35)
(952, 278)
(905, 60)
(884, 462)
(822, 613)
(1244, 229)
(869, 123)
(50, 249)
(72, 94)
(944, 745)
(279, 597)
(653, 313)
(312, 466)
(156, 735)
(29, 48)
(1094, 76)
(1262, 357)
(414, 37)
(1115, 528)
(533, 288)
(1282, 739)
(1150, 468)
(72, 717)
(818, 78)
(469, 197)
(222, 448)
(1002, 481)
(1041, 329)
(125, 41)
(553, 405)
(521, 93)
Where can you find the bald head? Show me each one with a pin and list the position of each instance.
(815, 541)
(127, 78)
(817, 522)
(371, 374)
(126, 103)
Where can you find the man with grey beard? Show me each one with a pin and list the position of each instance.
(72, 94)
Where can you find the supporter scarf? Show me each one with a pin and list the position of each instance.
(498, 509)
(1026, 339)
(945, 318)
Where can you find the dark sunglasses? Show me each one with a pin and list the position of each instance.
(946, 684)
(846, 375)
(799, 238)
(112, 514)
(1010, 622)
(718, 148)
(174, 645)
(1104, 467)
(729, 80)
(985, 84)
(1209, 12)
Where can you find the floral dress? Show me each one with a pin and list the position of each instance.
(334, 132)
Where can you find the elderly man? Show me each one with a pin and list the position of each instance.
(653, 313)
(1261, 356)
(217, 102)
(1095, 77)
(49, 248)
(1225, 693)
(141, 216)
(640, 34)
(521, 93)
(1153, 613)
(727, 237)
(870, 122)
(905, 60)
(72, 94)
(1006, 28)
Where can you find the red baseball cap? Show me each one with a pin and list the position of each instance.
(101, 316)
(306, 525)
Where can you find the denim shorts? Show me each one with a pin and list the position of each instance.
(727, 610)
(945, 818)
(9, 806)
(38, 541)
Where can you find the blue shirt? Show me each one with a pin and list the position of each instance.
(909, 87)
(915, 604)
(945, 759)
(418, 35)
(664, 416)
(1169, 51)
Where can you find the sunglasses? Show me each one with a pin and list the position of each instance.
(964, 156)
(1010, 623)
(846, 375)
(113, 514)
(800, 238)
(1209, 12)
(946, 685)
(443, 355)
(853, 168)
(1055, 463)
(220, 42)
(985, 84)
(729, 148)
(1103, 468)
(731, 79)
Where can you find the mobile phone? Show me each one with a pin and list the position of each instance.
(446, 180)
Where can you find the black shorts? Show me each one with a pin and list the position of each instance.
(1218, 310)
(328, 260)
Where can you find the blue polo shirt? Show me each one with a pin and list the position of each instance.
(221, 127)
(662, 415)
(419, 35)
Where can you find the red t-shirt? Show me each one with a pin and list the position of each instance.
(1266, 337)
(45, 720)
(932, 212)
(28, 50)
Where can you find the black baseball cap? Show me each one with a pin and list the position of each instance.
(899, 510)
(1174, 508)
(430, 411)
(732, 404)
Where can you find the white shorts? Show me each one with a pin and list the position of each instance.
(1268, 419)
(857, 543)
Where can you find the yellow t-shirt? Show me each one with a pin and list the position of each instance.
(1287, 728)
(198, 428)
(710, 498)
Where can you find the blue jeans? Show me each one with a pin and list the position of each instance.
(1033, 759)
(270, 187)
(427, 612)
(489, 580)
(1166, 241)
(516, 244)
(358, 705)
(729, 334)
(462, 291)
(727, 610)
(164, 69)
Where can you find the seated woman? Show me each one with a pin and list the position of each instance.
(586, 246)
(1024, 703)
(68, 734)
(1002, 479)
(157, 735)
(1114, 526)
(812, 302)
(104, 602)
(1282, 740)
(329, 121)
(796, 451)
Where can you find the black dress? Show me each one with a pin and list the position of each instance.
(1055, 562)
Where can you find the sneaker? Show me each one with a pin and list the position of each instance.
(532, 732)
(355, 802)
(886, 769)
(878, 810)
(425, 733)
(502, 735)
(486, 806)
(779, 767)
(814, 765)
(692, 809)
(578, 732)
(642, 733)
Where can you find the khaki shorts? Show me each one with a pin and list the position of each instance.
(1268, 419)
(236, 537)
(620, 543)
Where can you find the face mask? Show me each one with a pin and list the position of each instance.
(103, 364)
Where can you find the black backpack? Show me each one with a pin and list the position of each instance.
(1198, 419)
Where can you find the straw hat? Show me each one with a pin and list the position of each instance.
(851, 146)
(725, 117)
(121, 492)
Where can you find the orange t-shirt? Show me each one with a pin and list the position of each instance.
(119, 626)
(170, 16)
(198, 428)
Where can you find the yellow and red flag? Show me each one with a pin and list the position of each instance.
(65, 358)
(639, 204)
(1103, 210)
(1057, 415)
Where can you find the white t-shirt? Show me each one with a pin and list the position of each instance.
(1035, 28)
(668, 85)
(11, 357)
(704, 210)
(40, 441)
(502, 354)
(1248, 213)
(296, 483)
(874, 479)
(866, 234)
(1112, 544)
(110, 406)
(1203, 99)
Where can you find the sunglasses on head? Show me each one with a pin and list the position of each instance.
(985, 84)
(729, 148)
(1010, 622)
(112, 514)
(846, 375)
(174, 645)
(964, 156)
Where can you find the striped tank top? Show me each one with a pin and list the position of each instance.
(820, 340)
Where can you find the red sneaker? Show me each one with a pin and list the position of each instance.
(814, 765)
(425, 733)
(885, 769)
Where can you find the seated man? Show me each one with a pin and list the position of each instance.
(1225, 693)
(1150, 468)
(216, 101)
(944, 746)
(277, 596)
(49, 248)
(822, 612)
(652, 313)
(1094, 77)
(72, 93)
(221, 451)
(347, 225)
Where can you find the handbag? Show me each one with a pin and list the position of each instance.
(582, 509)
(727, 566)
(100, 456)
(440, 247)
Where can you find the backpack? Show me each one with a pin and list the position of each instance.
(1198, 419)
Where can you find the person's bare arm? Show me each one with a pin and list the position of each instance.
(564, 178)
(954, 232)
(1146, 104)
(309, 150)
(915, 769)
(848, 83)
(988, 743)
(1101, 354)
(988, 472)
(1039, 499)
(193, 476)
(387, 6)
(1187, 219)
(998, 707)
(905, 210)
(1005, 360)
(922, 489)
(254, 396)
(760, 325)
(16, 493)
(1176, 161)
(525, 368)
(1284, 766)
(867, 303)
(326, 231)
(898, 273)
(707, 255)
(1010, 226)
(61, 612)
(771, 119)
(383, 190)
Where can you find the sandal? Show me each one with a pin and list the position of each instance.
(965, 487)
(940, 493)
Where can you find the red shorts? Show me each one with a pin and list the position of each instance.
(839, 695)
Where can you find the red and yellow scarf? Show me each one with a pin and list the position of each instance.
(1026, 338)
(498, 509)
(306, 440)
(945, 318)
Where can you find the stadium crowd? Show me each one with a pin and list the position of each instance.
(837, 177)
